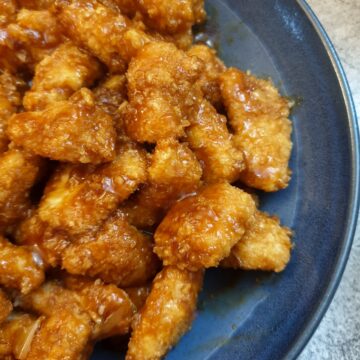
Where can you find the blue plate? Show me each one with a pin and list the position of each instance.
(267, 316)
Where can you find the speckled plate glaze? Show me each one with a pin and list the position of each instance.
(266, 316)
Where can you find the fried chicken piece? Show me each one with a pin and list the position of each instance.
(174, 172)
(10, 100)
(172, 16)
(199, 231)
(20, 268)
(213, 146)
(109, 308)
(138, 295)
(5, 306)
(36, 33)
(74, 130)
(161, 93)
(36, 4)
(19, 171)
(63, 335)
(265, 246)
(118, 254)
(8, 10)
(259, 117)
(59, 75)
(166, 315)
(78, 198)
(103, 31)
(16, 335)
(49, 243)
(209, 80)
(125, 7)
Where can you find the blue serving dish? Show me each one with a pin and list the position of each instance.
(256, 316)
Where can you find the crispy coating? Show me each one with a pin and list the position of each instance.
(171, 16)
(162, 98)
(118, 254)
(10, 100)
(8, 9)
(209, 80)
(259, 117)
(265, 246)
(19, 171)
(74, 130)
(174, 172)
(199, 231)
(36, 33)
(49, 243)
(125, 7)
(103, 31)
(64, 335)
(59, 75)
(20, 268)
(109, 308)
(138, 295)
(16, 335)
(212, 144)
(36, 4)
(78, 198)
(5, 306)
(166, 315)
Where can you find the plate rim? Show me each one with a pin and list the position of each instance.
(353, 208)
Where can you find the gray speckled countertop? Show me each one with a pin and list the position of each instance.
(338, 336)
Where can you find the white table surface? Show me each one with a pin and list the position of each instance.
(338, 336)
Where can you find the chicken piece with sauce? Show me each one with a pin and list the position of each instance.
(6, 306)
(161, 91)
(74, 130)
(199, 231)
(259, 118)
(167, 314)
(79, 198)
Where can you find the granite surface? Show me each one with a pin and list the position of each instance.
(338, 336)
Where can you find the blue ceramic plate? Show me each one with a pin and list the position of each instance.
(266, 316)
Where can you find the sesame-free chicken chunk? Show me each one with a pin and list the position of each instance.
(20, 268)
(209, 79)
(266, 246)
(10, 101)
(36, 4)
(8, 10)
(103, 31)
(5, 306)
(167, 314)
(75, 130)
(209, 138)
(79, 198)
(174, 172)
(19, 171)
(118, 254)
(59, 75)
(259, 118)
(161, 91)
(199, 231)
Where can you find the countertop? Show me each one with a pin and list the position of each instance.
(338, 336)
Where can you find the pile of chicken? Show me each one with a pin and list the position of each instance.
(119, 142)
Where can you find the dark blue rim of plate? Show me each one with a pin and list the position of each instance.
(353, 209)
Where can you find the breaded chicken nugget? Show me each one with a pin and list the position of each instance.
(64, 335)
(259, 117)
(174, 172)
(5, 306)
(212, 143)
(125, 7)
(75, 130)
(36, 4)
(78, 198)
(118, 254)
(104, 32)
(59, 75)
(19, 171)
(37, 33)
(166, 315)
(8, 9)
(161, 93)
(10, 100)
(17, 334)
(199, 231)
(209, 80)
(265, 246)
(20, 268)
(49, 242)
